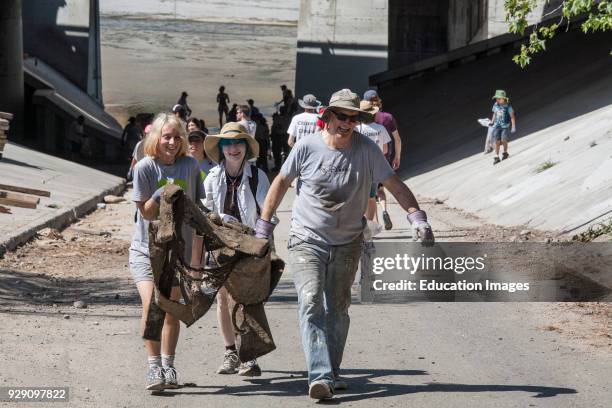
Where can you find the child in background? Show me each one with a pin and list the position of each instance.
(503, 123)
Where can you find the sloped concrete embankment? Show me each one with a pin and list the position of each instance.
(559, 174)
(75, 191)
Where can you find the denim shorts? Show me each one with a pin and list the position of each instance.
(501, 134)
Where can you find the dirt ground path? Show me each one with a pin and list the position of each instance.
(426, 354)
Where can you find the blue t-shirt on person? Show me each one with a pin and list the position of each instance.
(502, 115)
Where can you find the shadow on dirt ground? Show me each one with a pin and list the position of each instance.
(24, 288)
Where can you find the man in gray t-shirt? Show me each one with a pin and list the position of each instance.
(335, 169)
(333, 187)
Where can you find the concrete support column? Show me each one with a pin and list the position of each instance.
(11, 64)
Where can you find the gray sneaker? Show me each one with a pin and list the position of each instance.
(170, 378)
(250, 369)
(230, 363)
(155, 379)
(320, 390)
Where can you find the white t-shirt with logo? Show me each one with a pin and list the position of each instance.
(375, 132)
(304, 124)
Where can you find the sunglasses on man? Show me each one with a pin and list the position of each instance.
(342, 117)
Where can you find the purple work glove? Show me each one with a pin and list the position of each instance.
(263, 229)
(421, 228)
(157, 195)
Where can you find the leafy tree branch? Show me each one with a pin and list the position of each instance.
(598, 18)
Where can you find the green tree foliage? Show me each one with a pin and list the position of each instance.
(598, 18)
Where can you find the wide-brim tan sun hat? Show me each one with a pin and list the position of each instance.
(368, 106)
(349, 100)
(231, 130)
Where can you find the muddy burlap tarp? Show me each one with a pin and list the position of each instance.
(246, 265)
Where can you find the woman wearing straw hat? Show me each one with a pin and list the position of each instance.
(236, 190)
(166, 162)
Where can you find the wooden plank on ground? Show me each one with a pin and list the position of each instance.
(26, 190)
(18, 200)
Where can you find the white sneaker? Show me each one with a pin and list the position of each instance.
(230, 363)
(155, 379)
(250, 369)
(170, 378)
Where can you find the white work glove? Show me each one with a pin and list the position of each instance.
(421, 230)
(228, 218)
(371, 230)
(513, 130)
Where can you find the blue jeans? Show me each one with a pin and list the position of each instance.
(501, 133)
(323, 276)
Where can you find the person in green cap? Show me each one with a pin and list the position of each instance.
(503, 123)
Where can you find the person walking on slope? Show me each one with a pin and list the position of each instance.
(503, 122)
(166, 162)
(236, 190)
(336, 168)
(305, 123)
